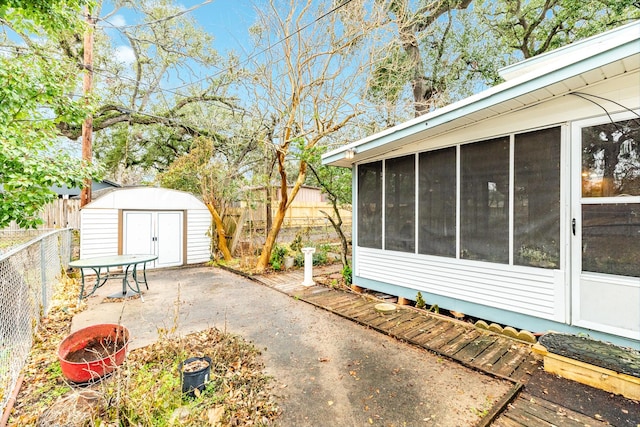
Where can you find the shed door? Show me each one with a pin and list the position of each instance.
(606, 226)
(159, 233)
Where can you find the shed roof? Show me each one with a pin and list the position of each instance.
(147, 198)
(530, 82)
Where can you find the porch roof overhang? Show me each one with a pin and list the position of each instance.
(554, 74)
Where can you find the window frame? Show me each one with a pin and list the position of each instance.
(562, 153)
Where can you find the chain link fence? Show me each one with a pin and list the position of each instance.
(28, 274)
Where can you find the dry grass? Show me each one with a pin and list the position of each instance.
(146, 389)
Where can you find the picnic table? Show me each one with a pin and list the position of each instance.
(101, 267)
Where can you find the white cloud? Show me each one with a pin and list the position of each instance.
(117, 21)
(124, 54)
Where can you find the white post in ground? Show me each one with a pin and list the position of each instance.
(308, 266)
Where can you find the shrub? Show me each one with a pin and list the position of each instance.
(420, 302)
(320, 257)
(347, 274)
(277, 256)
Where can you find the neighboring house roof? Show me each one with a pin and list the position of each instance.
(75, 191)
(552, 74)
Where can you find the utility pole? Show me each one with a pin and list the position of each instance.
(87, 125)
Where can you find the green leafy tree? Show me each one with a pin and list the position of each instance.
(198, 173)
(528, 28)
(213, 170)
(405, 60)
(336, 184)
(440, 52)
(152, 102)
(35, 96)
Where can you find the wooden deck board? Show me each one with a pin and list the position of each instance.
(354, 299)
(400, 322)
(444, 338)
(386, 320)
(326, 299)
(405, 328)
(560, 410)
(439, 328)
(346, 300)
(353, 309)
(533, 411)
(492, 354)
(488, 352)
(358, 313)
(315, 291)
(477, 346)
(342, 303)
(510, 361)
(422, 328)
(367, 316)
(529, 364)
(504, 421)
(454, 346)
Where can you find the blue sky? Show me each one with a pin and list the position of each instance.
(227, 20)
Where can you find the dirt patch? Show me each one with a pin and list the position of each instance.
(96, 349)
(599, 404)
(195, 366)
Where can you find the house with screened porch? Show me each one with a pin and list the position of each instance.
(519, 205)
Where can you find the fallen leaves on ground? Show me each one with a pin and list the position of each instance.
(146, 389)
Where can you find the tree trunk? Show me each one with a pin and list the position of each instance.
(263, 260)
(285, 201)
(269, 214)
(337, 225)
(222, 236)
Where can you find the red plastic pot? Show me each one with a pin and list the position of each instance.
(113, 341)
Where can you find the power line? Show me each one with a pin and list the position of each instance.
(166, 18)
(250, 57)
(173, 90)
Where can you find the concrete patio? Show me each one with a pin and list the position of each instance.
(332, 365)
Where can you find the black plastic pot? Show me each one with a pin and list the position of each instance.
(196, 379)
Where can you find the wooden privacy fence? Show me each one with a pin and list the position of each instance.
(61, 213)
(238, 221)
(305, 214)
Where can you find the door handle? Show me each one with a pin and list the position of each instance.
(155, 239)
(573, 226)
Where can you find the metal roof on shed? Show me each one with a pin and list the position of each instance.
(147, 198)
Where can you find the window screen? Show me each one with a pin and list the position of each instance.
(485, 201)
(437, 202)
(537, 199)
(610, 238)
(610, 160)
(400, 184)
(370, 205)
(611, 176)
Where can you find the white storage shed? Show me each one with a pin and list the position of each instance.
(171, 224)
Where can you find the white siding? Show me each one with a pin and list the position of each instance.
(99, 232)
(531, 291)
(198, 242)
